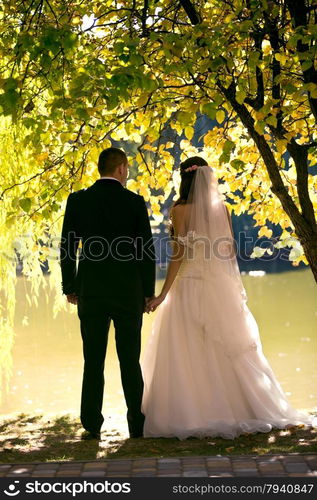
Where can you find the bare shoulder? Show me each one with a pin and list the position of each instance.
(178, 211)
(178, 218)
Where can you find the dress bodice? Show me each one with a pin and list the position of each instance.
(196, 255)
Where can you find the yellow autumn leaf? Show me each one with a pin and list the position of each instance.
(41, 157)
(281, 145)
(282, 58)
(265, 232)
(220, 116)
(189, 132)
(76, 20)
(142, 100)
(132, 185)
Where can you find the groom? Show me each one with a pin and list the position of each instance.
(114, 280)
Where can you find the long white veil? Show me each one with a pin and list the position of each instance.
(207, 220)
(207, 234)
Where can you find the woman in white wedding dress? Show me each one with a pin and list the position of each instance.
(204, 370)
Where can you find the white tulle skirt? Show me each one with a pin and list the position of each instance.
(196, 382)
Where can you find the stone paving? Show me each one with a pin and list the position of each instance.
(303, 464)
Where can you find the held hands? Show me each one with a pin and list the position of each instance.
(72, 298)
(152, 303)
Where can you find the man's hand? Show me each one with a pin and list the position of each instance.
(72, 298)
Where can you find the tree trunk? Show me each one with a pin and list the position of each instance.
(310, 250)
(304, 223)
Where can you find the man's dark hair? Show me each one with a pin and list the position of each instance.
(109, 159)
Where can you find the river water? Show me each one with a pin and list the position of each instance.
(47, 356)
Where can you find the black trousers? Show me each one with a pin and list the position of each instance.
(95, 314)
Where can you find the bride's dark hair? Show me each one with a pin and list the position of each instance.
(187, 177)
(186, 181)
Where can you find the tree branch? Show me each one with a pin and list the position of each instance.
(144, 17)
(300, 157)
(27, 180)
(278, 188)
(191, 11)
(276, 67)
(258, 101)
(299, 17)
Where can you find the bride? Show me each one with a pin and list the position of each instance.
(204, 370)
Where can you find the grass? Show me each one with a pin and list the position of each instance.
(44, 438)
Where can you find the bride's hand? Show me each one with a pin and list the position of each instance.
(154, 303)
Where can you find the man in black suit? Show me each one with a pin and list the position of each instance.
(114, 280)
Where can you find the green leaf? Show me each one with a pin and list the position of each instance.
(46, 61)
(29, 122)
(260, 127)
(112, 101)
(185, 118)
(238, 164)
(25, 204)
(228, 146)
(69, 40)
(46, 213)
(290, 88)
(55, 207)
(307, 65)
(209, 109)
(124, 57)
(118, 47)
(246, 25)
(82, 113)
(9, 102)
(62, 103)
(240, 96)
(224, 158)
(51, 39)
(216, 63)
(10, 221)
(15, 202)
(10, 84)
(271, 120)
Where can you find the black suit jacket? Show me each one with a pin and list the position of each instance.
(116, 258)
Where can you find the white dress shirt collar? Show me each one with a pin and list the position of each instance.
(113, 178)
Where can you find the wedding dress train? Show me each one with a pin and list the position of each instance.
(193, 385)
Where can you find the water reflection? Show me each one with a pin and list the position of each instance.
(47, 357)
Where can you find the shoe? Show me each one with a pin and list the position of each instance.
(87, 436)
(134, 435)
(136, 428)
